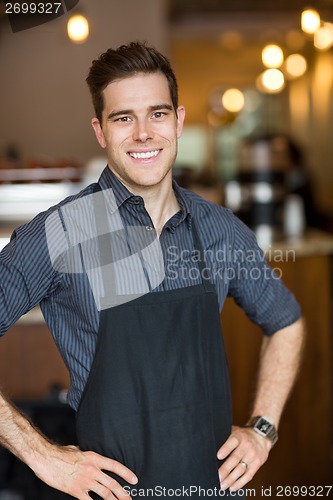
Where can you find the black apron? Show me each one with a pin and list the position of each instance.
(157, 397)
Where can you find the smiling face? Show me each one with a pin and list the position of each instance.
(139, 130)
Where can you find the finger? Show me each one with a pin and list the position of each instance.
(102, 491)
(231, 443)
(116, 467)
(243, 480)
(239, 474)
(113, 486)
(229, 465)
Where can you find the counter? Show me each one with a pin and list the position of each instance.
(314, 242)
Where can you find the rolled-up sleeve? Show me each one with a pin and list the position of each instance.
(255, 287)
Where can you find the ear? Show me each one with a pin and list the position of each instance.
(180, 120)
(98, 132)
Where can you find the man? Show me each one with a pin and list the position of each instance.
(152, 395)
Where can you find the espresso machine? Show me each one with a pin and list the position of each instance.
(259, 191)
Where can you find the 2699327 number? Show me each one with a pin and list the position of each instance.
(303, 491)
(32, 8)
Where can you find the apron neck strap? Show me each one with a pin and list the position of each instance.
(201, 261)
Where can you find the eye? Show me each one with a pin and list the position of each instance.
(159, 114)
(122, 119)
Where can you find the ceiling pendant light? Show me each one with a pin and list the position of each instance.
(78, 28)
(295, 65)
(271, 81)
(272, 56)
(310, 21)
(323, 37)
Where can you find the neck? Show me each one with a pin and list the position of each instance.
(160, 201)
(161, 206)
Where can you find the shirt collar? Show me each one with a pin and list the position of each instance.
(108, 180)
(183, 203)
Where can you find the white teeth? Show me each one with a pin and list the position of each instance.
(148, 154)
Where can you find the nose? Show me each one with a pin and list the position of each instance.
(142, 131)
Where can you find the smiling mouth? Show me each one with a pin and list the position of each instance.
(144, 154)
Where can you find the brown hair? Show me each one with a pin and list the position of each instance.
(126, 61)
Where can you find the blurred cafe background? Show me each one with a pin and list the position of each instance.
(256, 79)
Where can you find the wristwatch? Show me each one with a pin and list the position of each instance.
(264, 427)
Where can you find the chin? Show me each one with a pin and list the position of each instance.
(149, 180)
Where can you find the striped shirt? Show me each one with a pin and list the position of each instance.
(232, 261)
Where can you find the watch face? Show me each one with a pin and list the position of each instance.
(263, 426)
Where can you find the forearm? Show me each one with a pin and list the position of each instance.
(280, 359)
(279, 363)
(19, 436)
(65, 468)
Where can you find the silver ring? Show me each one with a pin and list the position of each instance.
(244, 463)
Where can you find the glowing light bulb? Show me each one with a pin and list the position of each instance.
(310, 21)
(272, 56)
(78, 28)
(323, 38)
(233, 100)
(271, 81)
(295, 65)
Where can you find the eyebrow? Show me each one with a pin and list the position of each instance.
(121, 112)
